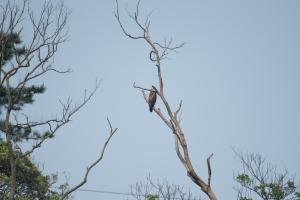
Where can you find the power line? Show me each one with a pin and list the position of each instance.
(121, 193)
(103, 192)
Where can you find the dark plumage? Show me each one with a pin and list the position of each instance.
(151, 100)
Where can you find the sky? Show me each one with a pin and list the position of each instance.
(237, 75)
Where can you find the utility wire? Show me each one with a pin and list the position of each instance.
(121, 193)
(102, 191)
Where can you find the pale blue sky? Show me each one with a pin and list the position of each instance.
(238, 77)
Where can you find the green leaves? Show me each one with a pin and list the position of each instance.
(297, 195)
(272, 190)
(19, 96)
(262, 180)
(244, 179)
(245, 198)
(20, 133)
(31, 184)
(8, 46)
(152, 197)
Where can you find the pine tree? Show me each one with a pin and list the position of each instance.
(9, 47)
(31, 184)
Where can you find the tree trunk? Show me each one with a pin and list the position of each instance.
(11, 156)
(12, 162)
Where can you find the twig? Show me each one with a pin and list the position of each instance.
(135, 86)
(66, 115)
(209, 169)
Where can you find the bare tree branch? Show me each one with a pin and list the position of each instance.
(55, 124)
(209, 169)
(157, 53)
(160, 190)
(44, 42)
(89, 168)
(117, 15)
(135, 86)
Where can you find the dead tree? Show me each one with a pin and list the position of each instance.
(20, 64)
(158, 52)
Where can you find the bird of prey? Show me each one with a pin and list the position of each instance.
(151, 100)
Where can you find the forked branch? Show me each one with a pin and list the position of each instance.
(55, 124)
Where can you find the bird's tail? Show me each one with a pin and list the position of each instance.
(150, 108)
